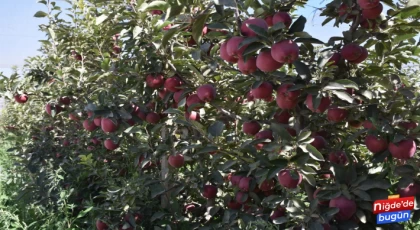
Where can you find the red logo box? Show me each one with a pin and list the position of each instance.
(393, 205)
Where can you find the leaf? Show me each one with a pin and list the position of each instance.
(252, 48)
(347, 83)
(230, 3)
(168, 35)
(84, 212)
(334, 86)
(156, 190)
(197, 27)
(314, 153)
(304, 135)
(40, 14)
(330, 211)
(101, 19)
(226, 165)
(258, 30)
(280, 220)
(374, 183)
(216, 128)
(403, 37)
(156, 5)
(247, 41)
(361, 215)
(136, 31)
(281, 131)
(310, 179)
(362, 194)
(302, 69)
(157, 215)
(298, 25)
(309, 40)
(343, 96)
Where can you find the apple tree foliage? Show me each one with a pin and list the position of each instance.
(189, 114)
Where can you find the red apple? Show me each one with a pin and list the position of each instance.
(362, 57)
(156, 12)
(209, 191)
(95, 141)
(373, 12)
(368, 4)
(338, 157)
(194, 116)
(233, 45)
(235, 180)
(155, 81)
(244, 184)
(282, 117)
(162, 93)
(239, 196)
(355, 124)
(176, 161)
(248, 67)
(407, 125)
(48, 109)
(21, 98)
(269, 20)
(264, 90)
(286, 51)
(282, 17)
(376, 144)
(206, 93)
(97, 121)
(287, 99)
(108, 125)
(347, 207)
(153, 118)
(225, 56)
(343, 10)
(368, 125)
(251, 128)
(266, 63)
(267, 185)
(404, 149)
(89, 125)
(73, 117)
(351, 51)
(110, 145)
(265, 134)
(116, 49)
(172, 84)
(287, 180)
(278, 213)
(234, 205)
(325, 103)
(66, 143)
(194, 99)
(412, 189)
(337, 114)
(101, 225)
(325, 202)
(368, 23)
(246, 31)
(177, 96)
(335, 59)
(319, 142)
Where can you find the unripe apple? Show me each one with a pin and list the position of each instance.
(89, 125)
(251, 128)
(248, 67)
(368, 4)
(337, 114)
(244, 183)
(176, 161)
(232, 47)
(286, 51)
(194, 99)
(155, 81)
(283, 17)
(325, 103)
(264, 90)
(173, 83)
(412, 189)
(287, 180)
(108, 125)
(373, 13)
(347, 207)
(110, 145)
(338, 157)
(209, 191)
(282, 117)
(278, 213)
(225, 56)
(267, 185)
(266, 63)
(376, 144)
(206, 93)
(319, 142)
(234, 205)
(404, 149)
(21, 98)
(246, 31)
(101, 225)
(153, 118)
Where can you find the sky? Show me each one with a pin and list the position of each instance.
(19, 32)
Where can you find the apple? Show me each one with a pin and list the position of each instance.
(21, 98)
(319, 142)
(66, 143)
(225, 56)
(177, 96)
(194, 116)
(343, 10)
(153, 118)
(162, 93)
(355, 124)
(244, 184)
(269, 20)
(176, 161)
(156, 12)
(248, 67)
(234, 205)
(101, 225)
(209, 191)
(108, 125)
(239, 196)
(404, 149)
(246, 31)
(337, 114)
(325, 103)
(351, 51)
(73, 117)
(48, 109)
(194, 99)
(368, 23)
(97, 121)
(373, 13)
(110, 145)
(282, 117)
(412, 189)
(324, 202)
(90, 148)
(278, 213)
(347, 207)
(206, 93)
(338, 157)
(362, 57)
(267, 185)
(265, 134)
(155, 81)
(407, 125)
(376, 144)
(287, 99)
(264, 90)
(232, 47)
(283, 17)
(287, 180)
(172, 84)
(286, 51)
(116, 49)
(266, 63)
(234, 180)
(368, 4)
(141, 114)
(95, 141)
(89, 125)
(368, 125)
(249, 96)
(251, 128)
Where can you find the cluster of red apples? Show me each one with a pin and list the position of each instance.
(369, 11)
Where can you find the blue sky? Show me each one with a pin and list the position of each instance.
(19, 32)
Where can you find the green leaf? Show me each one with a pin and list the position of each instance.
(281, 131)
(362, 194)
(157, 215)
(216, 128)
(230, 3)
(330, 211)
(136, 31)
(258, 30)
(197, 28)
(314, 153)
(310, 179)
(168, 36)
(40, 14)
(252, 48)
(84, 212)
(347, 83)
(302, 69)
(309, 40)
(298, 25)
(343, 96)
(156, 190)
(404, 37)
(328, 194)
(101, 19)
(226, 165)
(156, 5)
(280, 220)
(374, 183)
(304, 135)
(248, 41)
